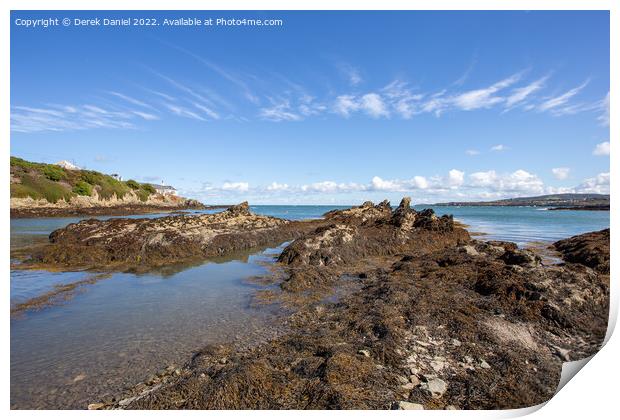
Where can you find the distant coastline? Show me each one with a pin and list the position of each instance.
(553, 201)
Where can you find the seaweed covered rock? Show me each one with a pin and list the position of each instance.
(155, 241)
(372, 230)
(590, 249)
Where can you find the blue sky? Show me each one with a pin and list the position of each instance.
(330, 107)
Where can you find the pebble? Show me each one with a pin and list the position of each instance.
(414, 380)
(364, 352)
(470, 250)
(406, 405)
(402, 379)
(435, 387)
(562, 353)
(80, 377)
(438, 363)
(456, 343)
(484, 365)
(452, 407)
(95, 406)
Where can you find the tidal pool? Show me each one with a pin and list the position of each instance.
(121, 329)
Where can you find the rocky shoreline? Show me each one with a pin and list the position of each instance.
(122, 209)
(426, 317)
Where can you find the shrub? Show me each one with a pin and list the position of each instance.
(149, 188)
(83, 188)
(92, 177)
(54, 173)
(24, 164)
(39, 187)
(142, 195)
(132, 184)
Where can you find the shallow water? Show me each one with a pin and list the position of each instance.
(120, 330)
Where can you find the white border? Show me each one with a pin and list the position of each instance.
(592, 394)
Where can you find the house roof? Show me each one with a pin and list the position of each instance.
(67, 165)
(162, 187)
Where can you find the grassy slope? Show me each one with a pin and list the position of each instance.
(52, 182)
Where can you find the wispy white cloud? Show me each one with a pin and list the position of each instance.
(131, 100)
(67, 118)
(345, 105)
(275, 186)
(146, 115)
(602, 149)
(181, 111)
(288, 100)
(604, 106)
(351, 73)
(472, 152)
(206, 110)
(519, 181)
(461, 80)
(279, 111)
(236, 186)
(483, 98)
(456, 178)
(558, 101)
(374, 106)
(560, 173)
(499, 148)
(331, 187)
(225, 74)
(595, 185)
(518, 95)
(402, 99)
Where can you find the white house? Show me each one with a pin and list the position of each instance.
(164, 189)
(67, 165)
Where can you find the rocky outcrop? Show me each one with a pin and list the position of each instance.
(438, 321)
(590, 249)
(370, 231)
(142, 243)
(94, 205)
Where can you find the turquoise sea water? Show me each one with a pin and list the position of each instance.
(517, 224)
(119, 330)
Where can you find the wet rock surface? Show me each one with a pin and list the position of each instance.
(141, 244)
(439, 321)
(590, 249)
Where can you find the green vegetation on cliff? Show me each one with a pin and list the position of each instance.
(53, 183)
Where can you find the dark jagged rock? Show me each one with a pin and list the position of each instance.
(370, 230)
(589, 249)
(242, 209)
